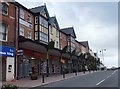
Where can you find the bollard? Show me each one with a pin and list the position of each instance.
(43, 78)
(76, 73)
(63, 75)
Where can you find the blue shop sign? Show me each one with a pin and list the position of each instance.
(7, 51)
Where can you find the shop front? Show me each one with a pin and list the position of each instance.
(65, 63)
(54, 61)
(33, 59)
(7, 63)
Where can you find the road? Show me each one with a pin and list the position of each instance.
(97, 79)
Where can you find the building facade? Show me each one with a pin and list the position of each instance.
(25, 37)
(8, 41)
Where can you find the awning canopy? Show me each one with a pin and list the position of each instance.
(54, 52)
(74, 58)
(66, 55)
(32, 45)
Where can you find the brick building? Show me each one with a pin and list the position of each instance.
(8, 40)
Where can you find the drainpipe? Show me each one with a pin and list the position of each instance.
(15, 56)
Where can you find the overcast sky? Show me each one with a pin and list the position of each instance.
(96, 22)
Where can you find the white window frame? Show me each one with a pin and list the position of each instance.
(22, 13)
(57, 44)
(4, 8)
(36, 19)
(21, 32)
(6, 32)
(29, 18)
(57, 33)
(29, 34)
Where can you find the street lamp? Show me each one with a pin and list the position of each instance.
(102, 52)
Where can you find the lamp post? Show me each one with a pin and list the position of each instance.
(102, 52)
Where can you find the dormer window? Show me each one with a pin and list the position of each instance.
(4, 8)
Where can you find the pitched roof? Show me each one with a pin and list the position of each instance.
(39, 9)
(69, 31)
(54, 20)
(85, 43)
(21, 6)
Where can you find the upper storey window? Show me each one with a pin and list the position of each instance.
(29, 18)
(22, 13)
(4, 8)
(43, 22)
(3, 32)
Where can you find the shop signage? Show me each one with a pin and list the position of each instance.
(7, 51)
(20, 52)
(25, 23)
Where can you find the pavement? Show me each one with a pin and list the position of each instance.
(100, 80)
(28, 83)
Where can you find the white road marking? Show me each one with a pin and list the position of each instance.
(106, 78)
(100, 82)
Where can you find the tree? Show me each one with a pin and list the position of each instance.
(50, 46)
(82, 57)
(64, 50)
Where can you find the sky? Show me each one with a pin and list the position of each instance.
(96, 22)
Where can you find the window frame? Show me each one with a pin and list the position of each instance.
(4, 9)
(29, 34)
(21, 31)
(22, 13)
(6, 32)
(29, 18)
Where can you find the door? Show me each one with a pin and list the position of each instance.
(3, 69)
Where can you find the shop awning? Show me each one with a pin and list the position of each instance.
(32, 46)
(66, 55)
(54, 52)
(74, 58)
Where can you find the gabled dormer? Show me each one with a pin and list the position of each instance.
(70, 38)
(41, 10)
(53, 21)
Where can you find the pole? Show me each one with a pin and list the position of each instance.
(43, 81)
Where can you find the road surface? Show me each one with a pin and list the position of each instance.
(93, 81)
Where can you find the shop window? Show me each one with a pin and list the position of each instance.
(4, 8)
(3, 32)
(22, 13)
(21, 31)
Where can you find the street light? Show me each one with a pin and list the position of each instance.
(102, 51)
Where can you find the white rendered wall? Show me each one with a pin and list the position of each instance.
(10, 73)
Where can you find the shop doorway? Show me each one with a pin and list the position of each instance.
(3, 64)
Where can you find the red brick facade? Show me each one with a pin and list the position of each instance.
(9, 20)
(63, 40)
(26, 13)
